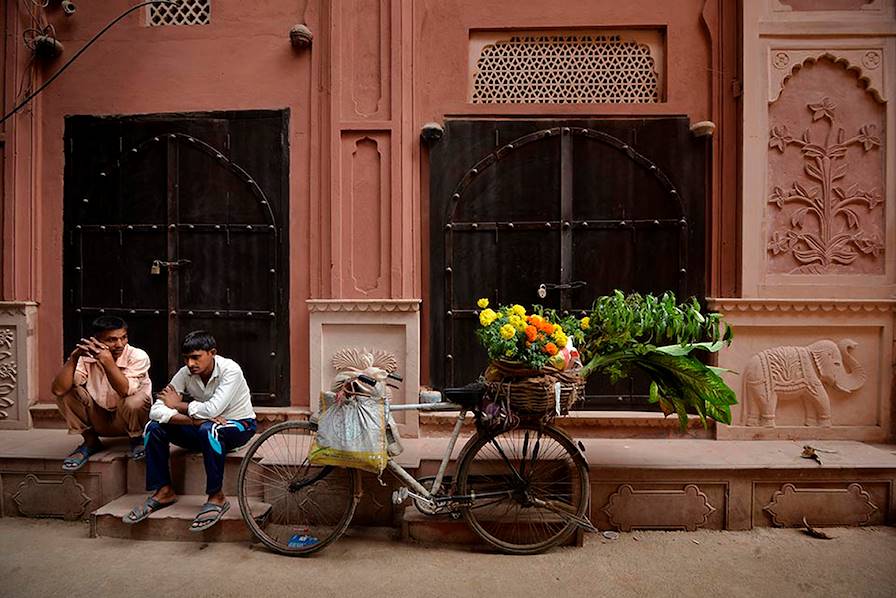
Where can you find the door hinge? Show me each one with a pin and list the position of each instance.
(737, 88)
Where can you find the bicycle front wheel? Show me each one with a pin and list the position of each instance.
(293, 507)
(528, 488)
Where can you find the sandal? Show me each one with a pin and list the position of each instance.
(208, 515)
(137, 451)
(79, 457)
(141, 512)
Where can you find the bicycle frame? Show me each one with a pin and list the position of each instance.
(400, 471)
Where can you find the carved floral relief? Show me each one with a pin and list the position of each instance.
(826, 193)
(7, 371)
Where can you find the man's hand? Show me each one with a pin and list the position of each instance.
(101, 352)
(170, 397)
(77, 352)
(219, 420)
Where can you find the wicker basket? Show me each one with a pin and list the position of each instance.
(530, 392)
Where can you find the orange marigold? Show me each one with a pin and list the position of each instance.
(551, 349)
(531, 333)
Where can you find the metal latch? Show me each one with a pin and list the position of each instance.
(543, 288)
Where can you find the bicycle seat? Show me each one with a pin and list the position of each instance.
(468, 396)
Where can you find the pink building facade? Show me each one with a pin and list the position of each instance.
(787, 108)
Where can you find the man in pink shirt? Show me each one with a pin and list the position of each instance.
(104, 389)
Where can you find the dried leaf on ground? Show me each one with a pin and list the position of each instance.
(815, 533)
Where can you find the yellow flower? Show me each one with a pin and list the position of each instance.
(517, 322)
(487, 316)
(508, 353)
(507, 331)
(586, 323)
(560, 338)
(482, 303)
(518, 310)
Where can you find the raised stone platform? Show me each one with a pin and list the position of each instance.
(635, 483)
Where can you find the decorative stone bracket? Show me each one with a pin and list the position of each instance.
(389, 329)
(16, 363)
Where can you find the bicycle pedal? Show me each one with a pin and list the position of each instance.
(400, 495)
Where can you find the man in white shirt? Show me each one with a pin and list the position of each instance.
(206, 407)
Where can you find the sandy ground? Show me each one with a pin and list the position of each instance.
(55, 558)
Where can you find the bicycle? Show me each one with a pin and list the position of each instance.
(521, 490)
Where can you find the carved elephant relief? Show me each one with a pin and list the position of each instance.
(800, 373)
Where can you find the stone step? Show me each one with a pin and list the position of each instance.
(171, 523)
(187, 472)
(33, 483)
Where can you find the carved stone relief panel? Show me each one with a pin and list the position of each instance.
(16, 363)
(801, 373)
(798, 361)
(826, 186)
(390, 331)
(686, 508)
(8, 372)
(852, 505)
(64, 497)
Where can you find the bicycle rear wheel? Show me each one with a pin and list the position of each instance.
(293, 507)
(529, 488)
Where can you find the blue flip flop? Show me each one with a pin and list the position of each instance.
(74, 463)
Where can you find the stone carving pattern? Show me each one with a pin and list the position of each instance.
(355, 359)
(51, 498)
(8, 371)
(550, 69)
(841, 237)
(800, 372)
(820, 506)
(687, 509)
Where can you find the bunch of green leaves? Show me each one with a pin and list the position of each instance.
(657, 335)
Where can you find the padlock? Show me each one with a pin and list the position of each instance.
(155, 268)
(542, 291)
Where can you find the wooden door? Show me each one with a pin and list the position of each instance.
(205, 197)
(580, 207)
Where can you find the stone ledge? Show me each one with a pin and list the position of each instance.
(363, 305)
(753, 304)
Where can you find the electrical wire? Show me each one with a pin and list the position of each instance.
(52, 78)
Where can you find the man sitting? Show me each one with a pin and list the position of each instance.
(103, 389)
(207, 407)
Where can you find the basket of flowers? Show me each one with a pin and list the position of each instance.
(539, 361)
(534, 366)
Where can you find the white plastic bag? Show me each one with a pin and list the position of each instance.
(351, 432)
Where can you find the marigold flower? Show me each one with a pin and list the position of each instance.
(507, 331)
(487, 316)
(586, 323)
(560, 338)
(551, 349)
(518, 309)
(531, 333)
(482, 303)
(534, 319)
